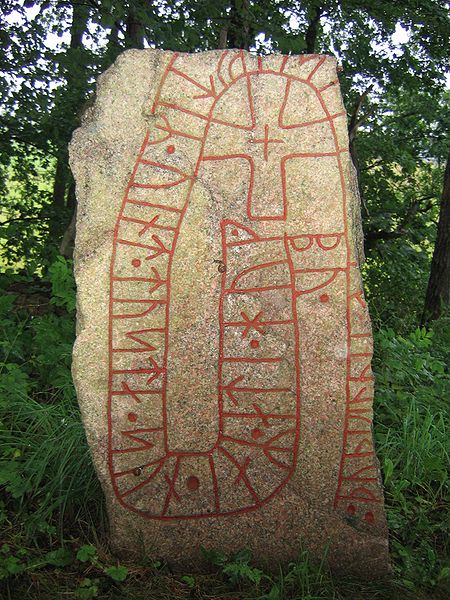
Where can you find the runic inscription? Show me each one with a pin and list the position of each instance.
(238, 337)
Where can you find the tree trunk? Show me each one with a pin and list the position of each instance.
(313, 30)
(239, 33)
(71, 196)
(113, 48)
(68, 240)
(59, 182)
(77, 29)
(438, 292)
(223, 37)
(355, 123)
(73, 98)
(134, 31)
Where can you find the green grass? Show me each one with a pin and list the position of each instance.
(54, 538)
(412, 434)
(51, 479)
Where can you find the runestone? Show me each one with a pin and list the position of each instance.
(223, 352)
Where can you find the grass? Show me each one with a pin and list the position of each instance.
(54, 540)
(412, 435)
(52, 478)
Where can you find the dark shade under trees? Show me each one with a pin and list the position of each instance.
(438, 291)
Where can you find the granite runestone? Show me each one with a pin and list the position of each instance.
(223, 352)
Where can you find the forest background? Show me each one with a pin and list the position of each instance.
(394, 59)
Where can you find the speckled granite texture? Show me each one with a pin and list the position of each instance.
(222, 362)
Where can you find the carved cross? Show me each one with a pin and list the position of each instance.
(265, 143)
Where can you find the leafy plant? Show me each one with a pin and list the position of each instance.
(60, 275)
(412, 434)
(88, 553)
(236, 566)
(88, 588)
(45, 465)
(189, 580)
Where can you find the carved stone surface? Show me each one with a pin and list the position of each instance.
(222, 362)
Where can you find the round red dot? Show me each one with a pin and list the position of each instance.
(254, 343)
(256, 433)
(369, 517)
(324, 298)
(192, 483)
(351, 509)
(132, 417)
(234, 232)
(170, 149)
(136, 262)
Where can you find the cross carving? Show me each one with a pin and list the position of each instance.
(266, 141)
(267, 192)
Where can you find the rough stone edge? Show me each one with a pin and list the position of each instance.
(91, 121)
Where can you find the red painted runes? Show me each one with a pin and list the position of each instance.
(149, 477)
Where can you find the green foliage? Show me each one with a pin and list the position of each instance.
(117, 573)
(412, 433)
(16, 562)
(396, 277)
(21, 561)
(236, 567)
(45, 466)
(26, 208)
(189, 581)
(303, 579)
(9, 564)
(88, 554)
(63, 285)
(87, 589)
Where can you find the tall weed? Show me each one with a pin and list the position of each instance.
(412, 434)
(45, 467)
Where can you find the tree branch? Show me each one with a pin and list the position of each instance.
(355, 123)
(8, 221)
(372, 236)
(372, 165)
